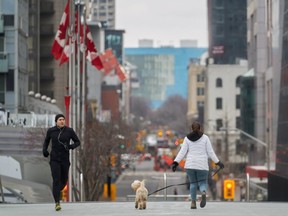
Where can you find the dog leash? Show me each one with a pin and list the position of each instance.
(183, 183)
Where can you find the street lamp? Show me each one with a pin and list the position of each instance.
(255, 139)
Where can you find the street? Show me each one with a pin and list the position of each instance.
(153, 180)
(153, 208)
(124, 204)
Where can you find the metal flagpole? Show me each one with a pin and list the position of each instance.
(74, 102)
(78, 67)
(71, 44)
(78, 94)
(83, 117)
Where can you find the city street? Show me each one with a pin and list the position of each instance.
(153, 208)
(153, 180)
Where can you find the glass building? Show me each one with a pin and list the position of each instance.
(227, 25)
(162, 72)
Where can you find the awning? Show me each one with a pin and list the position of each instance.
(257, 171)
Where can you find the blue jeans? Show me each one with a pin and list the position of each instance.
(197, 178)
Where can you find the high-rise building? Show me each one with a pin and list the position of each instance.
(162, 72)
(277, 99)
(45, 75)
(13, 54)
(102, 11)
(227, 22)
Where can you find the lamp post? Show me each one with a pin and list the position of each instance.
(255, 139)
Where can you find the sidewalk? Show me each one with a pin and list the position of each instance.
(153, 209)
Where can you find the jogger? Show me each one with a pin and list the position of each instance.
(59, 157)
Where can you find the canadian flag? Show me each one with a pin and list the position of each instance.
(59, 41)
(121, 73)
(91, 51)
(66, 53)
(109, 61)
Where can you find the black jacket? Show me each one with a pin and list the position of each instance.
(60, 142)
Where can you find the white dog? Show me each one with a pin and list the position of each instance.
(141, 194)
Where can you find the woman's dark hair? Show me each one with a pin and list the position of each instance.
(196, 127)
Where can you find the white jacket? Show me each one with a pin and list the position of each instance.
(197, 153)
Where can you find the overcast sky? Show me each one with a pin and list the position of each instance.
(164, 21)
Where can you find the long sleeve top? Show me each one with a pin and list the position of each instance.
(60, 142)
(197, 153)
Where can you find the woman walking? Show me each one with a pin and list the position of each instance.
(197, 148)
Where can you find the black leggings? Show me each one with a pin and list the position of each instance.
(59, 172)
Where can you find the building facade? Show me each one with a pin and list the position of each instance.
(196, 91)
(162, 72)
(227, 26)
(13, 54)
(102, 11)
(278, 179)
(222, 110)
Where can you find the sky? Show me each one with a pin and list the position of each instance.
(165, 21)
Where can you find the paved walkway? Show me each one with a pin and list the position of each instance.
(153, 208)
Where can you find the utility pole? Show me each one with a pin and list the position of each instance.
(226, 141)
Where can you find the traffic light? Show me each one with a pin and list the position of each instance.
(229, 189)
(113, 160)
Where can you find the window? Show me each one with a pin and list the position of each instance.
(8, 20)
(219, 18)
(219, 124)
(219, 103)
(218, 146)
(219, 30)
(237, 101)
(200, 77)
(200, 104)
(238, 147)
(200, 91)
(219, 3)
(238, 79)
(218, 82)
(10, 80)
(2, 88)
(238, 122)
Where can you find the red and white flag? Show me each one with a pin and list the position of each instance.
(91, 51)
(109, 61)
(59, 41)
(66, 53)
(121, 73)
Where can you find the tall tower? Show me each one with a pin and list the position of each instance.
(227, 22)
(102, 11)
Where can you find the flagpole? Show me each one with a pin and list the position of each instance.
(71, 44)
(83, 117)
(78, 66)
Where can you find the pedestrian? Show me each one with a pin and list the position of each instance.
(197, 148)
(59, 155)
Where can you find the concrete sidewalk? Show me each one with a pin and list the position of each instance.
(153, 208)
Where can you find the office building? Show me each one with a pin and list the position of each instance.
(227, 26)
(162, 72)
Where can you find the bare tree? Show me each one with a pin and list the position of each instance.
(140, 106)
(101, 142)
(172, 114)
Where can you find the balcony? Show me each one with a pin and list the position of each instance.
(3, 63)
